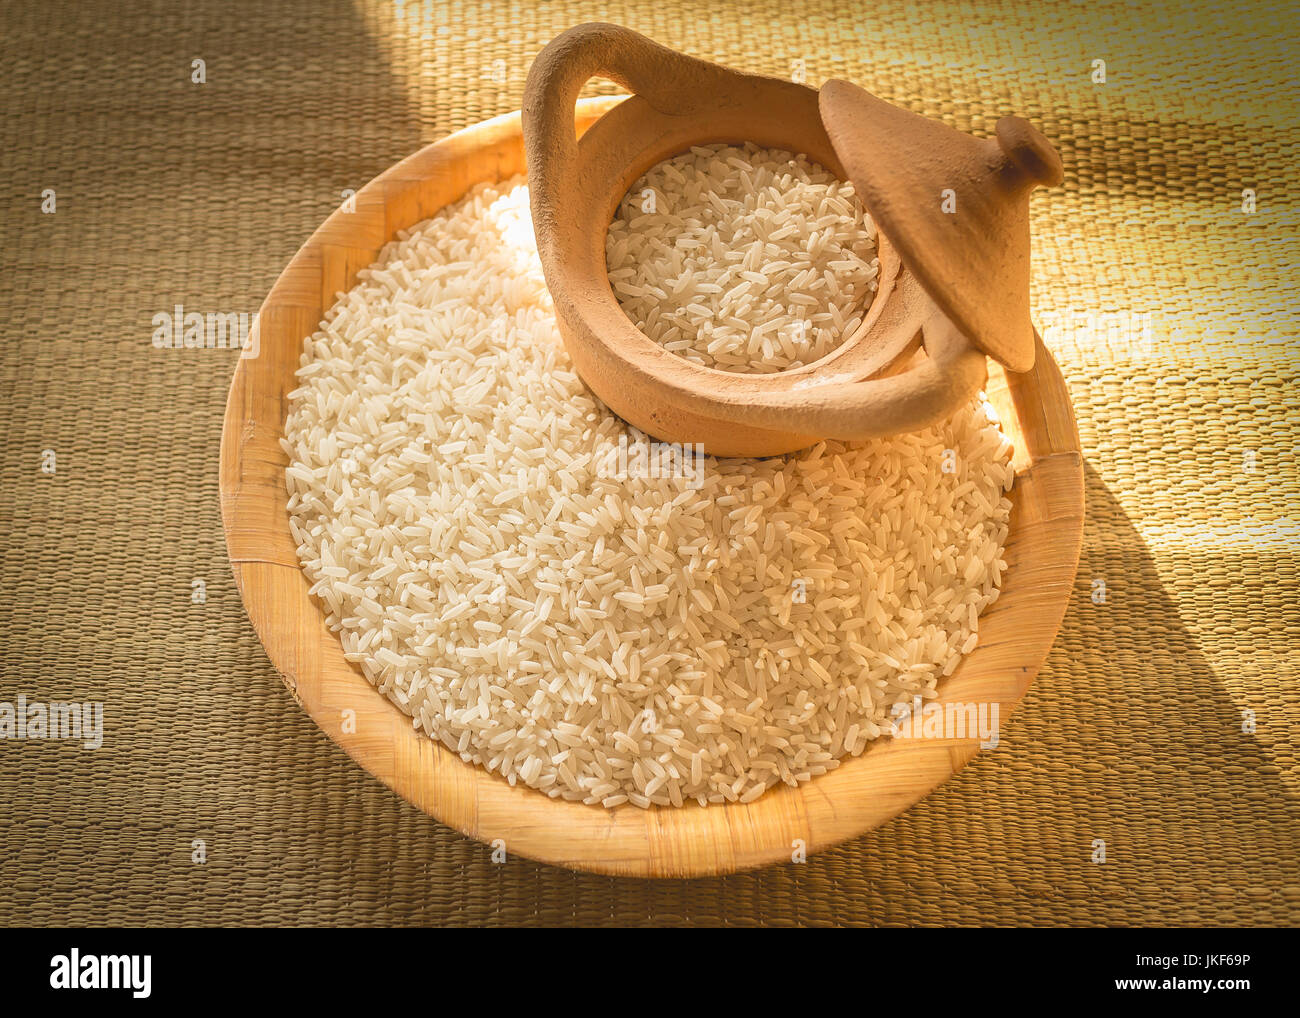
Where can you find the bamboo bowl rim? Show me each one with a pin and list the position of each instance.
(1016, 632)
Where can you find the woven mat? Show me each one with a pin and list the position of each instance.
(1171, 310)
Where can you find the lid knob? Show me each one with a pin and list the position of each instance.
(1031, 153)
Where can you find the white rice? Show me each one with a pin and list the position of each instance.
(605, 638)
(743, 259)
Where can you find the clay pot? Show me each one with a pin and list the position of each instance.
(907, 366)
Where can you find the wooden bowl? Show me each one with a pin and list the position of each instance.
(1015, 633)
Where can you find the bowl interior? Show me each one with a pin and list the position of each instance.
(634, 137)
(674, 399)
(1016, 633)
(842, 357)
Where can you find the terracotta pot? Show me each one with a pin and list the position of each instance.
(907, 366)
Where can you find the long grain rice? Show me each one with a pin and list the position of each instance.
(611, 639)
(743, 259)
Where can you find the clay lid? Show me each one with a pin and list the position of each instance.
(974, 261)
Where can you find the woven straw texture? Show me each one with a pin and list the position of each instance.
(1170, 308)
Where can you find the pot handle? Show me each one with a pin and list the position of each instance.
(671, 82)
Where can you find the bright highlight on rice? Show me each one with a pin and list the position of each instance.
(743, 259)
(601, 633)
